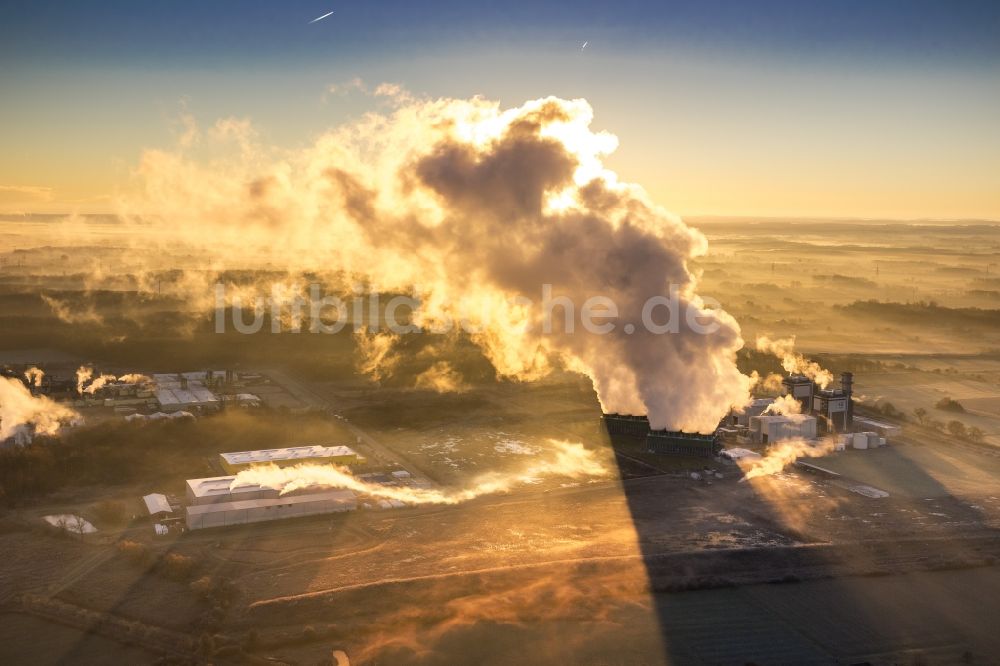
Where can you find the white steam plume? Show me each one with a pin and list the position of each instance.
(783, 453)
(66, 313)
(469, 205)
(792, 362)
(785, 405)
(771, 383)
(99, 383)
(135, 378)
(83, 375)
(570, 460)
(87, 383)
(34, 376)
(442, 378)
(19, 408)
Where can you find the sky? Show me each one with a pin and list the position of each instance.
(884, 110)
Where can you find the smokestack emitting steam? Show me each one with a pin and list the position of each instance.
(473, 209)
(570, 460)
(783, 453)
(792, 362)
(98, 383)
(19, 408)
(34, 376)
(83, 375)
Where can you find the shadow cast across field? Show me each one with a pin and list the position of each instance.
(808, 595)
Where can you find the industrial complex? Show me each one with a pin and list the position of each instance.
(222, 501)
(820, 412)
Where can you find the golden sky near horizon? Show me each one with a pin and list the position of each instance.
(708, 128)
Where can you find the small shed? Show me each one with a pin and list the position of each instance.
(157, 505)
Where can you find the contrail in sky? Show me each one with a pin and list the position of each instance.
(320, 18)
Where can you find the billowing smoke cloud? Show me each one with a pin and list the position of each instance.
(784, 453)
(18, 408)
(66, 313)
(792, 362)
(34, 376)
(99, 383)
(135, 378)
(569, 460)
(441, 377)
(473, 209)
(376, 357)
(785, 405)
(770, 383)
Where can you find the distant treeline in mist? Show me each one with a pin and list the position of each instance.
(158, 454)
(924, 313)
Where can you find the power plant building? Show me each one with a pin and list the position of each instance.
(294, 455)
(771, 428)
(186, 391)
(835, 405)
(756, 407)
(625, 424)
(673, 442)
(676, 442)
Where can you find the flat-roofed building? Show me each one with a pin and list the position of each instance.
(771, 428)
(216, 489)
(886, 430)
(293, 455)
(176, 392)
(244, 511)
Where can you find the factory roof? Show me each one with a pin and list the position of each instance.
(218, 485)
(864, 420)
(174, 378)
(194, 394)
(739, 454)
(786, 418)
(816, 468)
(289, 453)
(336, 495)
(157, 503)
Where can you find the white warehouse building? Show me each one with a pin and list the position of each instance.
(245, 511)
(214, 502)
(771, 428)
(185, 391)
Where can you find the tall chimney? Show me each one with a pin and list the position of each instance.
(847, 384)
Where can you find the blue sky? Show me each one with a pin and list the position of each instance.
(797, 108)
